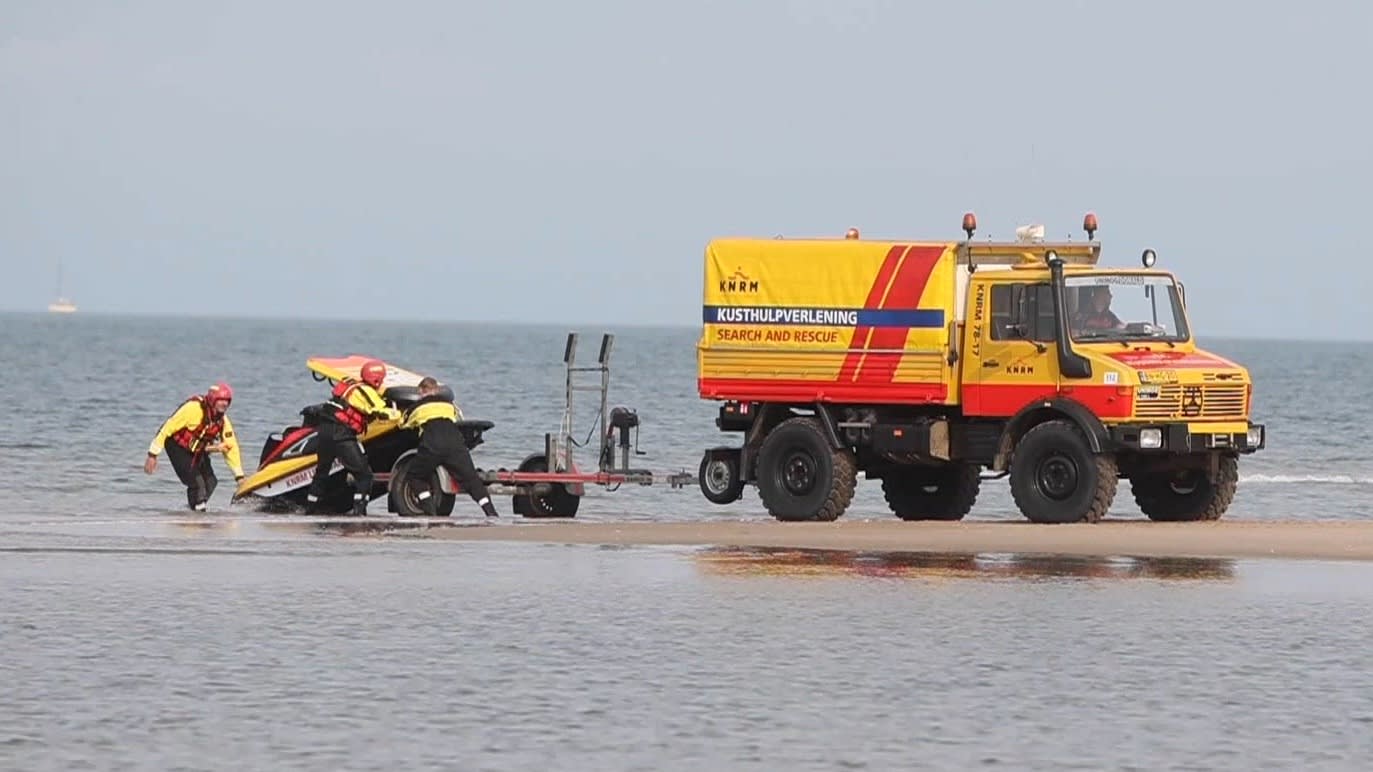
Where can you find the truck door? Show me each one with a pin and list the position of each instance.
(1011, 358)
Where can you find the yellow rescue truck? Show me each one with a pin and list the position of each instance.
(932, 366)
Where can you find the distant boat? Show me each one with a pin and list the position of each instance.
(62, 305)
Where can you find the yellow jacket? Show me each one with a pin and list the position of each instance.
(425, 411)
(189, 421)
(369, 402)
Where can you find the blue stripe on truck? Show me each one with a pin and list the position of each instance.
(823, 317)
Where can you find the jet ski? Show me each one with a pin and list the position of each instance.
(286, 466)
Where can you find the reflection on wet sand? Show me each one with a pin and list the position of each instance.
(742, 561)
(326, 527)
(375, 527)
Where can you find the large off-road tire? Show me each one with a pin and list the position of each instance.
(800, 477)
(558, 502)
(1056, 478)
(403, 494)
(932, 493)
(720, 479)
(1187, 495)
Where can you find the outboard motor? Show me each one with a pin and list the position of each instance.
(622, 419)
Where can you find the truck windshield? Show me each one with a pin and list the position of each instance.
(1124, 307)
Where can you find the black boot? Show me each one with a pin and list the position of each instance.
(359, 504)
(429, 504)
(488, 507)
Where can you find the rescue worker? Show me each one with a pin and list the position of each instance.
(1098, 314)
(355, 403)
(441, 443)
(199, 427)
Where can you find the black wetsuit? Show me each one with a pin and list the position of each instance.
(442, 443)
(195, 473)
(338, 433)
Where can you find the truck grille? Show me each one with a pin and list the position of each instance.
(1191, 401)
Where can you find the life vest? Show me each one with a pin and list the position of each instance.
(344, 412)
(206, 433)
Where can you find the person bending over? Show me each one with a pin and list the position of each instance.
(355, 403)
(199, 427)
(442, 443)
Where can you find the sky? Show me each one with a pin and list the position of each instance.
(568, 162)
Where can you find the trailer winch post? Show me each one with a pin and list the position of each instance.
(603, 360)
(555, 490)
(559, 449)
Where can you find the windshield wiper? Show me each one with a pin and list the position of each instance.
(1142, 337)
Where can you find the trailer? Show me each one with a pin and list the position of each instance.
(540, 489)
(546, 484)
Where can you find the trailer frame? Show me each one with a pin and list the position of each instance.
(544, 490)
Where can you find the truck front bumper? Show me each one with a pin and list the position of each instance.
(1188, 438)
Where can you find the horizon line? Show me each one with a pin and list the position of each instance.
(511, 322)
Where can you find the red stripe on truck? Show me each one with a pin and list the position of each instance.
(1003, 400)
(912, 274)
(859, 340)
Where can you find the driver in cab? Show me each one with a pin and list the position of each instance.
(1096, 314)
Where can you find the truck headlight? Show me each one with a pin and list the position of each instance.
(1254, 437)
(1151, 438)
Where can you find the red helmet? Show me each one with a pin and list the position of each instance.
(219, 391)
(373, 373)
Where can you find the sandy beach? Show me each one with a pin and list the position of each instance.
(1341, 540)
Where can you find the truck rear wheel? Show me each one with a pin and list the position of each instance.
(1187, 495)
(932, 493)
(1056, 478)
(800, 477)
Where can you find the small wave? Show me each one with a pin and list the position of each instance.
(127, 551)
(1320, 479)
(24, 446)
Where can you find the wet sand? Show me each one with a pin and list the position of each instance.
(1342, 540)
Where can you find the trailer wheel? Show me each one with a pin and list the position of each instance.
(719, 477)
(932, 493)
(1188, 495)
(1056, 478)
(800, 477)
(559, 502)
(403, 494)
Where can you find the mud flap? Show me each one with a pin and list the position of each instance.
(447, 483)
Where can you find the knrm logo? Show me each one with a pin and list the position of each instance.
(738, 282)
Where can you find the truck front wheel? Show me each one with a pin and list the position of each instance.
(1056, 478)
(932, 493)
(800, 477)
(1187, 495)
